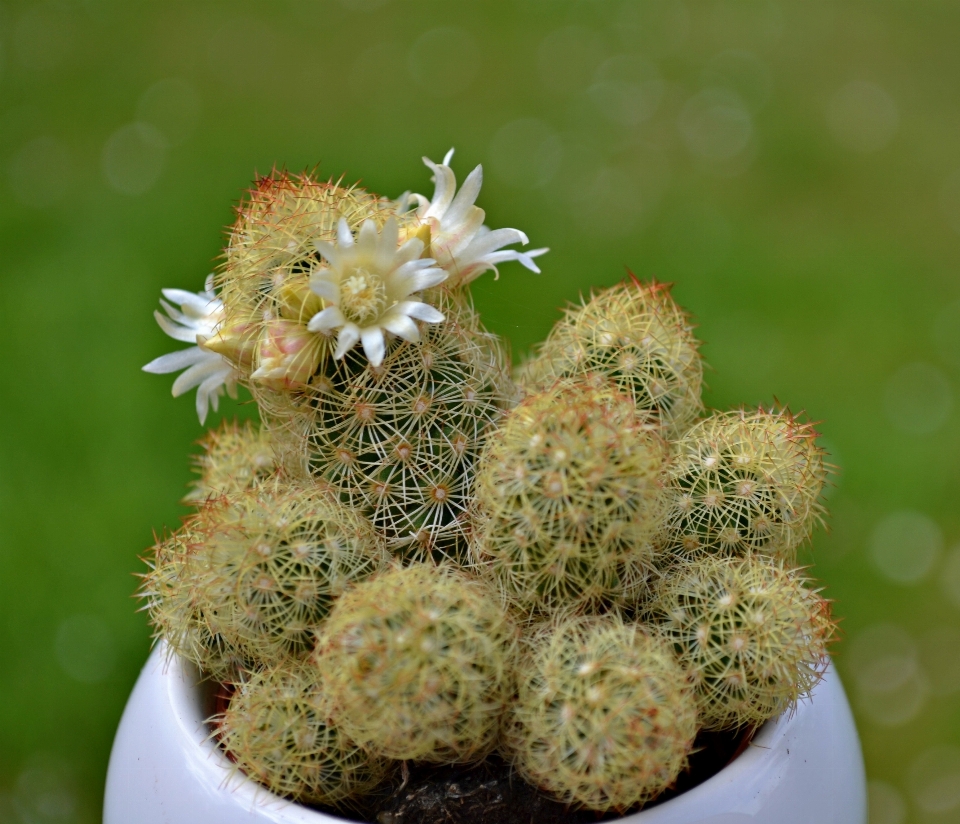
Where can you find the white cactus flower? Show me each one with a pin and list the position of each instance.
(197, 320)
(459, 242)
(366, 286)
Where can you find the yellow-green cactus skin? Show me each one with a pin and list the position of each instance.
(746, 481)
(400, 441)
(570, 500)
(278, 731)
(419, 662)
(605, 717)
(636, 336)
(750, 633)
(234, 457)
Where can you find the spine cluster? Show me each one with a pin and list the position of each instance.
(570, 499)
(413, 558)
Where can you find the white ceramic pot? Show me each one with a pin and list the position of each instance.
(804, 768)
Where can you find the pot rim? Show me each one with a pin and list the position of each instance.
(191, 708)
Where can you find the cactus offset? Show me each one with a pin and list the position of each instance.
(746, 481)
(418, 662)
(277, 729)
(270, 562)
(170, 595)
(570, 499)
(635, 335)
(605, 717)
(235, 457)
(749, 632)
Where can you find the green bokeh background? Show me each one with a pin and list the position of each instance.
(792, 167)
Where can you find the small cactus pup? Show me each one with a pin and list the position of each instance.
(635, 335)
(234, 457)
(743, 481)
(271, 560)
(605, 716)
(570, 500)
(750, 633)
(277, 729)
(418, 662)
(170, 601)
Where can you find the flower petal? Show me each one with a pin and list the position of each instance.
(327, 320)
(326, 284)
(420, 311)
(344, 235)
(465, 198)
(349, 335)
(445, 185)
(175, 361)
(402, 327)
(374, 346)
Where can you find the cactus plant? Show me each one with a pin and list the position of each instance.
(750, 633)
(418, 663)
(537, 516)
(277, 729)
(250, 576)
(570, 499)
(635, 335)
(748, 480)
(234, 457)
(605, 717)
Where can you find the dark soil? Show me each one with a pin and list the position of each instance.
(490, 793)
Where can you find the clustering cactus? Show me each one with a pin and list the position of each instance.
(170, 597)
(570, 499)
(399, 441)
(419, 663)
(278, 728)
(365, 568)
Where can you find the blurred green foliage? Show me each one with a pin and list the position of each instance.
(793, 167)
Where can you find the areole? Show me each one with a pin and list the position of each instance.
(801, 767)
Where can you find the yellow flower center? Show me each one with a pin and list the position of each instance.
(363, 296)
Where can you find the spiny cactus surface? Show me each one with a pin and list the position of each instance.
(751, 635)
(400, 441)
(605, 717)
(418, 661)
(635, 335)
(234, 457)
(170, 600)
(271, 561)
(570, 499)
(277, 728)
(748, 480)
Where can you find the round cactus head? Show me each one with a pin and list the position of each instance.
(418, 662)
(605, 716)
(277, 729)
(399, 441)
(749, 632)
(635, 335)
(570, 499)
(270, 561)
(264, 281)
(168, 589)
(746, 481)
(234, 457)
